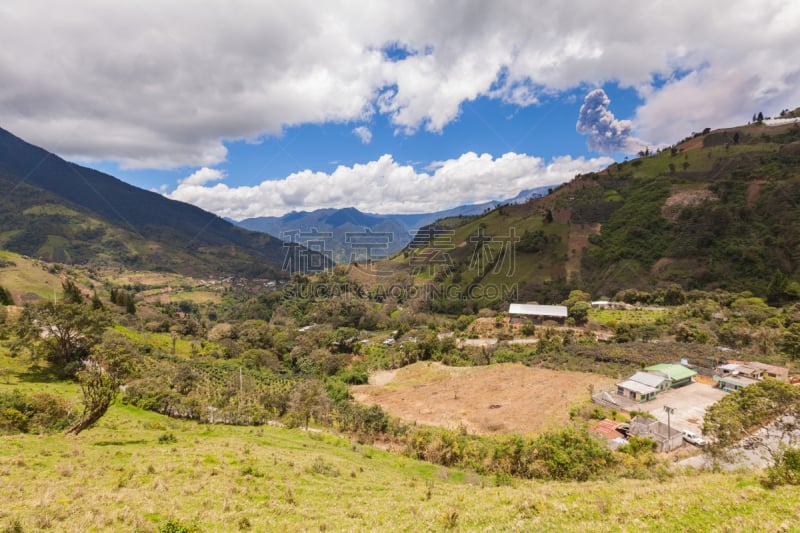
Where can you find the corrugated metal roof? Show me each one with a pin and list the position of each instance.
(777, 370)
(559, 311)
(646, 378)
(607, 428)
(675, 372)
(637, 387)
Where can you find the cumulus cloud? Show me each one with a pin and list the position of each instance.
(203, 176)
(605, 133)
(363, 133)
(386, 186)
(147, 86)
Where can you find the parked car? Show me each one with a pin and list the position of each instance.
(693, 438)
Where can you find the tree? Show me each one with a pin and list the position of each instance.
(309, 399)
(776, 290)
(736, 138)
(672, 168)
(109, 364)
(5, 297)
(66, 332)
(97, 303)
(72, 294)
(580, 311)
(764, 416)
(790, 343)
(760, 117)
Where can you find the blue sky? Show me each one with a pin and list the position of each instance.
(410, 106)
(483, 126)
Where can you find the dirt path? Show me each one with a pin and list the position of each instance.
(507, 398)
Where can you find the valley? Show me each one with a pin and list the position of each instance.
(475, 379)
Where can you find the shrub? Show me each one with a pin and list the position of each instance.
(785, 471)
(167, 438)
(40, 412)
(322, 467)
(174, 526)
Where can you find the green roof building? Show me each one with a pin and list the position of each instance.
(678, 375)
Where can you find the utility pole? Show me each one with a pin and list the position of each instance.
(241, 392)
(669, 411)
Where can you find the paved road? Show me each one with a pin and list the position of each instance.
(689, 405)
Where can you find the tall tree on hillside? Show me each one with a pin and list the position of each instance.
(109, 364)
(65, 332)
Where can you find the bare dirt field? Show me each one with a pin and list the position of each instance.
(506, 398)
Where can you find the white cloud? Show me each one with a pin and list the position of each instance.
(605, 133)
(386, 186)
(363, 133)
(203, 176)
(145, 84)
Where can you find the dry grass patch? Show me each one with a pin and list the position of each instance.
(504, 398)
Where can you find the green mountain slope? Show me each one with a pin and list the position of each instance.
(719, 210)
(64, 212)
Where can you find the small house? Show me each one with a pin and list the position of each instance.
(643, 386)
(772, 371)
(733, 382)
(735, 375)
(636, 391)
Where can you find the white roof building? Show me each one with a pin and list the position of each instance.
(646, 378)
(555, 311)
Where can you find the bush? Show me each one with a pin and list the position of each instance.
(167, 438)
(785, 471)
(174, 526)
(39, 413)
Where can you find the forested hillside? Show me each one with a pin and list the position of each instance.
(720, 209)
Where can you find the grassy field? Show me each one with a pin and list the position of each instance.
(27, 278)
(140, 471)
(129, 474)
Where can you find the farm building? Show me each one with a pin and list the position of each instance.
(538, 313)
(678, 375)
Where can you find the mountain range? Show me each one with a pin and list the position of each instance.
(60, 211)
(347, 232)
(718, 210)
